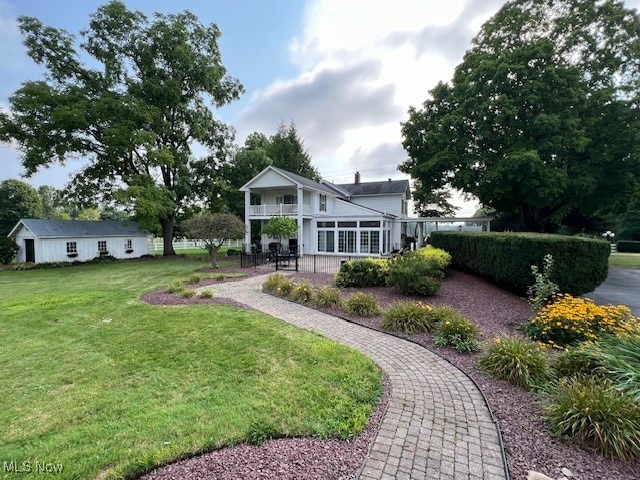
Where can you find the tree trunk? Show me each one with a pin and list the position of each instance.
(214, 257)
(167, 236)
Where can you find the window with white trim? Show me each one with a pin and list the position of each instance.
(346, 241)
(286, 199)
(128, 244)
(72, 248)
(102, 247)
(323, 203)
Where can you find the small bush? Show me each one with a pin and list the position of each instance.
(302, 292)
(516, 360)
(595, 413)
(363, 272)
(206, 294)
(362, 305)
(175, 287)
(8, 250)
(413, 274)
(187, 293)
(233, 251)
(328, 297)
(278, 284)
(543, 289)
(628, 246)
(437, 255)
(569, 320)
(454, 330)
(408, 317)
(194, 278)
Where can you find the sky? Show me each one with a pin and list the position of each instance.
(345, 72)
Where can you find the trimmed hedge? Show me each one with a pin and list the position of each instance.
(580, 264)
(363, 272)
(628, 246)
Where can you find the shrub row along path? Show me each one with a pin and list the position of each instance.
(437, 424)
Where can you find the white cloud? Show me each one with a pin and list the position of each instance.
(362, 65)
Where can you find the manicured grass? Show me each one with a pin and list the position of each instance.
(106, 385)
(631, 260)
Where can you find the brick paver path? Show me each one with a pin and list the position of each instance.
(437, 425)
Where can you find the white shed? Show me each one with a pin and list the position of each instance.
(43, 241)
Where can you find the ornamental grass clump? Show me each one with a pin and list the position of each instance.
(596, 413)
(278, 284)
(301, 292)
(175, 287)
(362, 305)
(455, 330)
(408, 317)
(328, 297)
(570, 320)
(516, 360)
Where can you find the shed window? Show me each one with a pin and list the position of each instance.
(72, 248)
(102, 246)
(128, 244)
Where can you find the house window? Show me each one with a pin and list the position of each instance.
(102, 247)
(323, 203)
(326, 241)
(365, 223)
(370, 241)
(347, 224)
(326, 224)
(72, 248)
(347, 241)
(287, 199)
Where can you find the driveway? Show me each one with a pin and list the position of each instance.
(622, 287)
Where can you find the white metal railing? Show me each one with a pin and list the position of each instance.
(280, 209)
(156, 244)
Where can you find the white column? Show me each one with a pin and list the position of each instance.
(300, 220)
(247, 221)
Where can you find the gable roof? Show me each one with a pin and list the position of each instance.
(388, 187)
(294, 177)
(79, 228)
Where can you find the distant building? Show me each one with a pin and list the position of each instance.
(43, 241)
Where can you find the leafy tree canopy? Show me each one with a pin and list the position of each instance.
(134, 117)
(541, 117)
(214, 229)
(280, 227)
(285, 149)
(17, 200)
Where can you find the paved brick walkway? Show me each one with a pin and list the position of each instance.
(437, 425)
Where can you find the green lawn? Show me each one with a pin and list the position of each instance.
(625, 260)
(105, 385)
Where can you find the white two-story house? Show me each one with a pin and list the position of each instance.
(360, 218)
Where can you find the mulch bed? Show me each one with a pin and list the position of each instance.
(528, 444)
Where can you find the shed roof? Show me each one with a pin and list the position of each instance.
(79, 228)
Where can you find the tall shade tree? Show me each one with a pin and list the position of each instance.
(17, 200)
(214, 229)
(135, 117)
(540, 121)
(286, 150)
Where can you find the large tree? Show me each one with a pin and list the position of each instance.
(134, 117)
(541, 119)
(284, 149)
(17, 200)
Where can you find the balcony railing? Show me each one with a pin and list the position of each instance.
(281, 209)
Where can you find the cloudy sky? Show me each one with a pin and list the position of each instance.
(345, 72)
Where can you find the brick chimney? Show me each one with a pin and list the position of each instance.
(357, 179)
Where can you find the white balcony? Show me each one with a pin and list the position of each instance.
(278, 210)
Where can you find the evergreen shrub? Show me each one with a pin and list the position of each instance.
(580, 264)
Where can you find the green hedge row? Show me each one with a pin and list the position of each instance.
(580, 264)
(628, 246)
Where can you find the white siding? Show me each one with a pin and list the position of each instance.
(271, 179)
(55, 249)
(391, 204)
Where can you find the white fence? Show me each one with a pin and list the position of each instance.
(156, 245)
